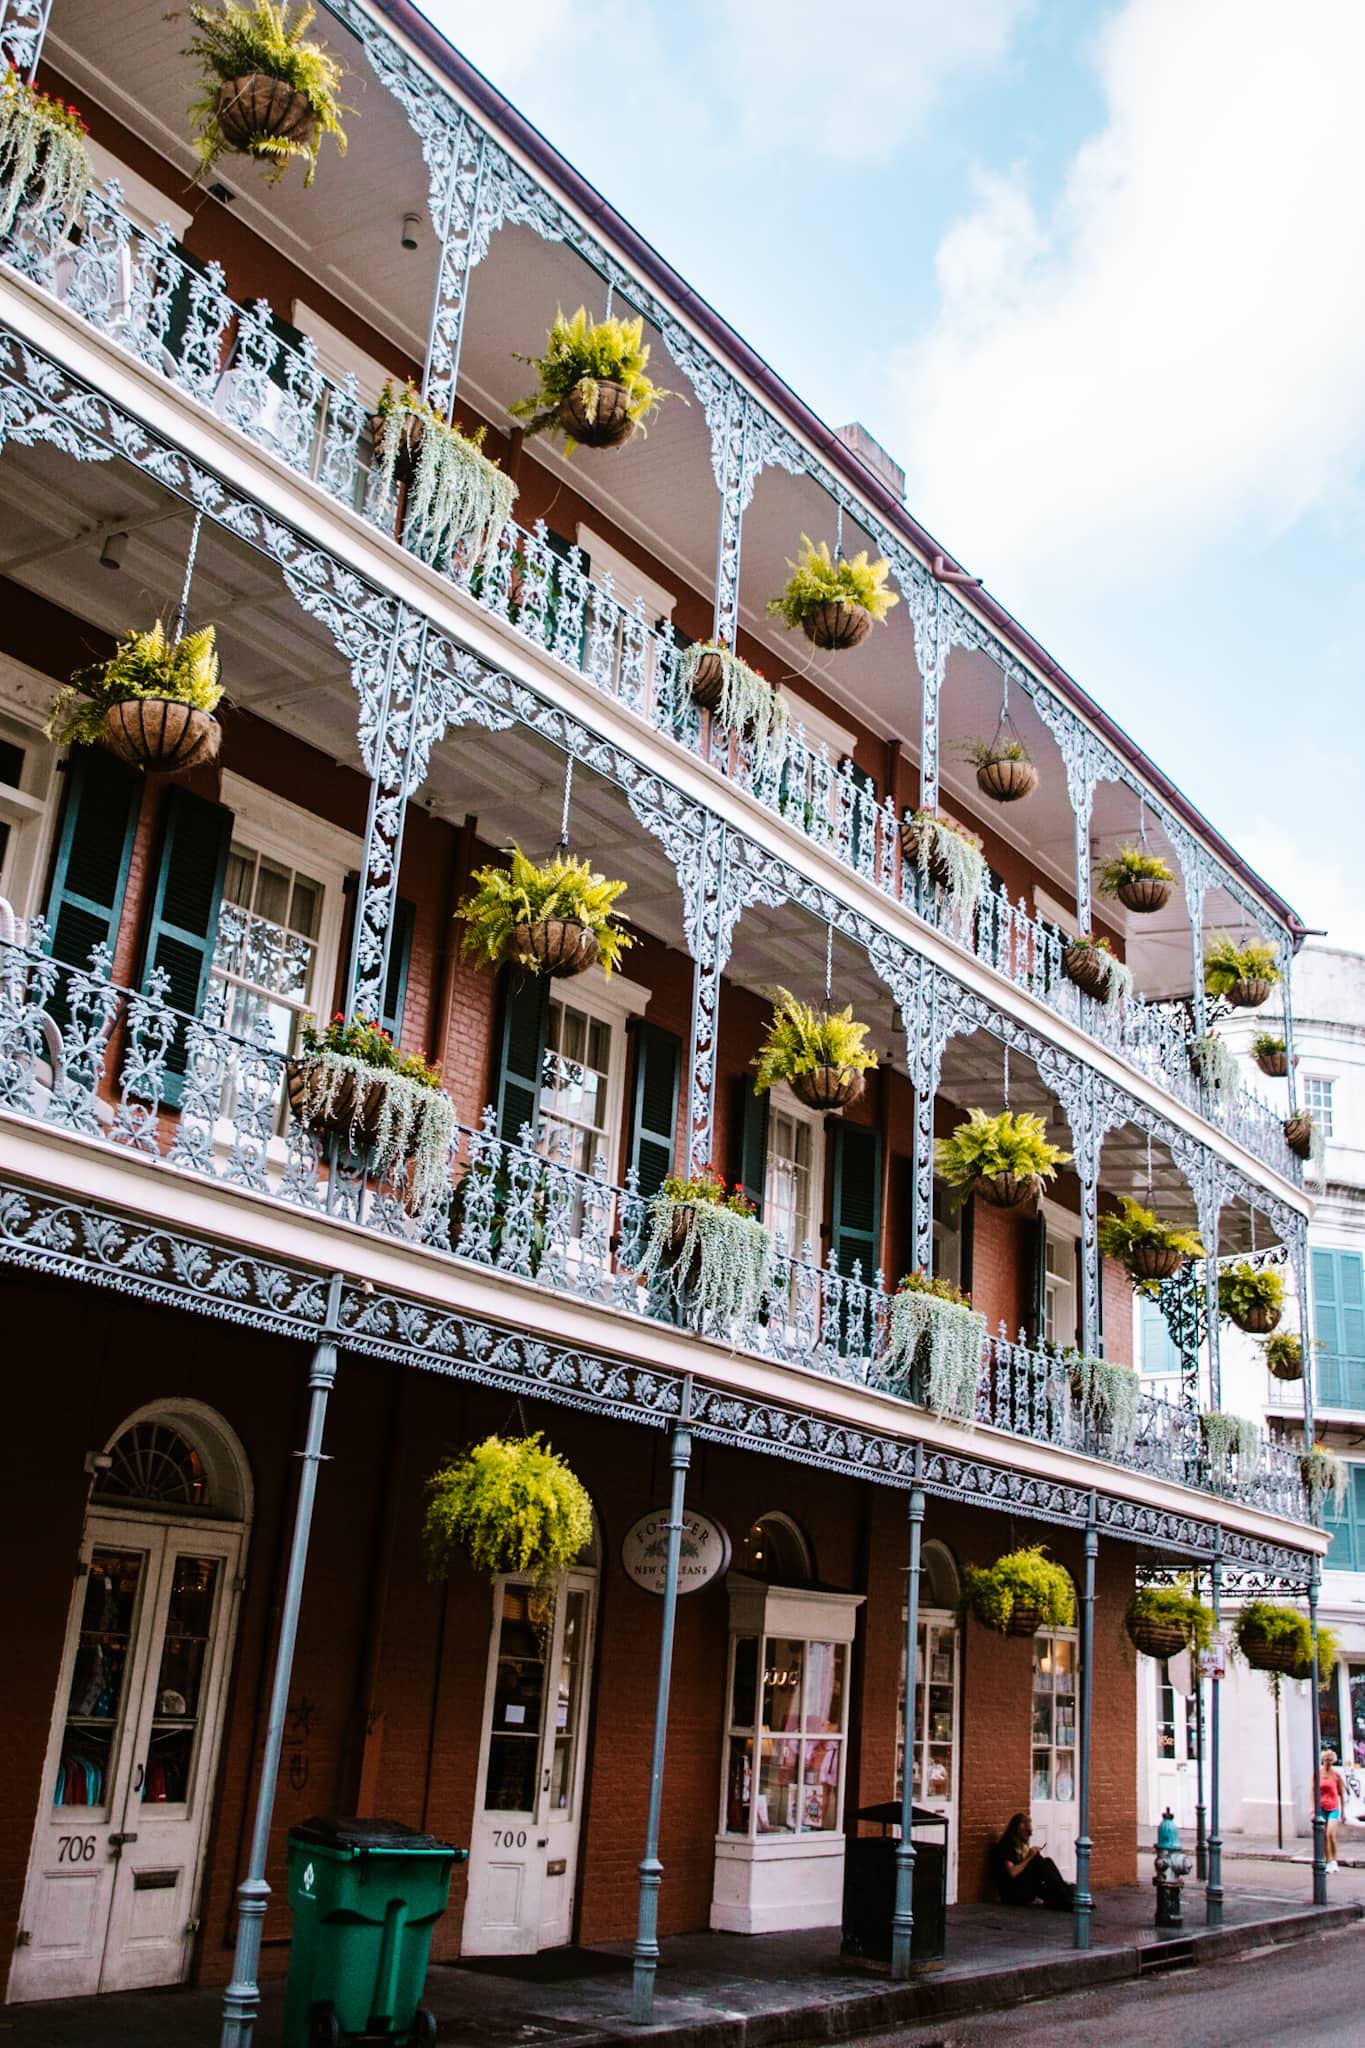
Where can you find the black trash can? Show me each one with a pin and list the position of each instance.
(870, 1885)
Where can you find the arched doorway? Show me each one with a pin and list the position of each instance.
(523, 1849)
(118, 1848)
(936, 1764)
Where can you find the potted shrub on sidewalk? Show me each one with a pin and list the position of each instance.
(935, 1346)
(1270, 1054)
(1004, 769)
(44, 163)
(706, 1249)
(594, 386)
(1141, 881)
(1148, 1248)
(1242, 975)
(835, 599)
(1091, 962)
(819, 1052)
(1021, 1593)
(453, 492)
(350, 1080)
(152, 702)
(269, 91)
(556, 918)
(1164, 1620)
(739, 698)
(1250, 1296)
(1006, 1159)
(513, 1505)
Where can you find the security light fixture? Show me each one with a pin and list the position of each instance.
(114, 549)
(411, 223)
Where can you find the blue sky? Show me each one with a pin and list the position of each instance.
(1096, 276)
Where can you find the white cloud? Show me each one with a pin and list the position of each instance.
(508, 43)
(1172, 354)
(1320, 882)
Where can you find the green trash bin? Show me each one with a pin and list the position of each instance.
(365, 1896)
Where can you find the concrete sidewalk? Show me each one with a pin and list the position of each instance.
(730, 1991)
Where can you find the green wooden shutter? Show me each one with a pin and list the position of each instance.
(521, 1052)
(1339, 1325)
(195, 837)
(967, 1244)
(857, 1219)
(753, 1149)
(1037, 1280)
(654, 1105)
(95, 846)
(396, 979)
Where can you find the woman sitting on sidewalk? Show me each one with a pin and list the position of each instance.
(1022, 1873)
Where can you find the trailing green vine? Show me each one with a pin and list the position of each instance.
(706, 1250)
(1228, 1436)
(1216, 1064)
(44, 163)
(934, 1327)
(456, 493)
(748, 704)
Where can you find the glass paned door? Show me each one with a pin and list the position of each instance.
(1053, 1789)
(524, 1849)
(934, 1783)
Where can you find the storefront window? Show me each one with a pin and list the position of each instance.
(1054, 1718)
(788, 1723)
(1357, 1685)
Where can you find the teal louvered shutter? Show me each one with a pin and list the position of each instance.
(1037, 1280)
(1339, 1325)
(521, 1051)
(967, 1244)
(857, 1217)
(753, 1148)
(654, 1105)
(94, 848)
(396, 977)
(1344, 1526)
(195, 837)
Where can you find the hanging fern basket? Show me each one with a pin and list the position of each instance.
(1154, 1262)
(1005, 782)
(1283, 1365)
(835, 624)
(1006, 1190)
(1273, 1064)
(513, 1505)
(828, 1088)
(1257, 1321)
(1298, 1135)
(1249, 993)
(1155, 1638)
(557, 946)
(1145, 893)
(596, 413)
(1264, 1654)
(162, 734)
(256, 108)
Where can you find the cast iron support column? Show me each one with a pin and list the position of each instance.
(242, 1998)
(903, 1919)
(1084, 1904)
(23, 29)
(735, 477)
(1201, 1840)
(1211, 1321)
(651, 1869)
(1213, 1894)
(1319, 1824)
(1287, 997)
(931, 686)
(400, 748)
(709, 951)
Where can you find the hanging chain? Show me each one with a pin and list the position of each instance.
(1151, 1201)
(607, 315)
(829, 963)
(1142, 820)
(568, 797)
(1253, 1230)
(1007, 1076)
(183, 609)
(839, 533)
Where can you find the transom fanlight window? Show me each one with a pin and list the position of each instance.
(775, 1549)
(153, 1463)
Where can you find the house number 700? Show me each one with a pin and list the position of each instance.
(509, 1838)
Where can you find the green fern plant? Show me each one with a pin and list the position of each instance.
(802, 1038)
(936, 1338)
(1025, 1578)
(1131, 864)
(984, 1146)
(1226, 963)
(1136, 1229)
(1266, 1045)
(514, 1505)
(579, 355)
(524, 893)
(264, 36)
(1244, 1290)
(1174, 1607)
(821, 578)
(1272, 1623)
(985, 753)
(142, 665)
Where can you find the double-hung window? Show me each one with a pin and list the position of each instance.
(265, 958)
(1317, 1100)
(576, 1094)
(792, 1176)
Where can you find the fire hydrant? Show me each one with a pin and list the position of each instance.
(1172, 1868)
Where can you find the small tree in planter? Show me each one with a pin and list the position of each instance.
(1215, 1065)
(739, 698)
(1284, 1355)
(1141, 881)
(1091, 962)
(152, 701)
(1228, 1436)
(1164, 1620)
(1021, 1593)
(1243, 975)
(706, 1249)
(556, 918)
(1004, 768)
(1005, 1159)
(454, 492)
(1274, 1637)
(835, 599)
(514, 1505)
(350, 1079)
(269, 91)
(1148, 1248)
(934, 1348)
(594, 386)
(1251, 1296)
(1323, 1472)
(44, 163)
(819, 1052)
(1270, 1054)
(946, 853)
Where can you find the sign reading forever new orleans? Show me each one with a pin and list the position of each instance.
(704, 1553)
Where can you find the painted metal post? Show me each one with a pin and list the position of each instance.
(1287, 998)
(651, 1869)
(1083, 1903)
(735, 475)
(1319, 1824)
(1211, 1318)
(1201, 1839)
(397, 754)
(903, 1918)
(1213, 1893)
(242, 1998)
(23, 29)
(708, 960)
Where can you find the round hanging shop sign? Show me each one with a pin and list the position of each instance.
(703, 1555)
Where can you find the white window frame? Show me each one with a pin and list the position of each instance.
(627, 581)
(1053, 911)
(30, 807)
(821, 730)
(1327, 1081)
(145, 204)
(611, 1001)
(1062, 1226)
(782, 1097)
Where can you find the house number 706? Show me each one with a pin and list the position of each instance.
(75, 1848)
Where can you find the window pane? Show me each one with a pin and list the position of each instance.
(178, 1705)
(824, 1688)
(782, 1684)
(746, 1682)
(820, 1787)
(113, 1585)
(779, 1788)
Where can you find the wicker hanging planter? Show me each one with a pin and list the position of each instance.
(1249, 994)
(162, 734)
(1154, 1262)
(609, 425)
(1264, 1655)
(353, 1113)
(1088, 967)
(1144, 894)
(1284, 1359)
(1006, 1190)
(708, 679)
(1025, 1620)
(256, 107)
(835, 624)
(1154, 1638)
(558, 946)
(1258, 1321)
(828, 1088)
(1298, 1135)
(1273, 1064)
(939, 870)
(1006, 781)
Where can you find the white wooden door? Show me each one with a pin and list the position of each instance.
(118, 1846)
(1053, 1802)
(936, 1720)
(1176, 1775)
(523, 1852)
